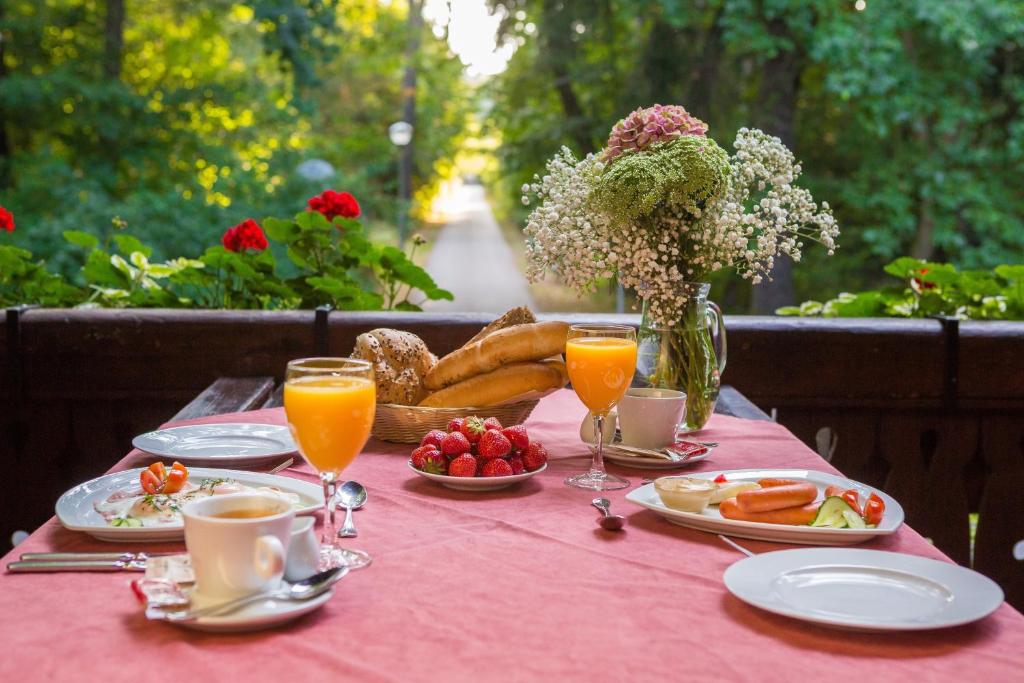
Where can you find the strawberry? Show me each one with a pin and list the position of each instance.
(419, 455)
(472, 428)
(517, 465)
(493, 444)
(462, 466)
(517, 435)
(433, 438)
(456, 424)
(534, 456)
(434, 462)
(492, 423)
(497, 468)
(455, 443)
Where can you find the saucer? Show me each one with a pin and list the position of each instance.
(255, 616)
(654, 462)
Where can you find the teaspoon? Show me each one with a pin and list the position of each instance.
(608, 521)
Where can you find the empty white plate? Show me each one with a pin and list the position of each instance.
(224, 445)
(864, 590)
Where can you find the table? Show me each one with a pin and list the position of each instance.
(518, 585)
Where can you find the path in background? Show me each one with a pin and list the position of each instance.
(472, 260)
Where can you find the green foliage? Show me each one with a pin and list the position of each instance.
(930, 289)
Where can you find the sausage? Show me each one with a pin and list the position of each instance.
(776, 497)
(768, 483)
(799, 515)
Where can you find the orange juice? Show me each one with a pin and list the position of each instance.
(601, 369)
(330, 418)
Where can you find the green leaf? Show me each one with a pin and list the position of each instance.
(408, 306)
(905, 267)
(126, 244)
(1011, 273)
(394, 260)
(80, 238)
(281, 230)
(99, 271)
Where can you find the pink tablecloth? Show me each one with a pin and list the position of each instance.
(517, 585)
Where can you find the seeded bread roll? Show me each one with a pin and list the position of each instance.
(516, 316)
(400, 362)
(499, 386)
(529, 342)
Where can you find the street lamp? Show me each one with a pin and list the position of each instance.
(400, 134)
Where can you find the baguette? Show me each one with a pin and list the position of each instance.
(528, 342)
(498, 386)
(514, 316)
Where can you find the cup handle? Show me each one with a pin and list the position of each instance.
(269, 557)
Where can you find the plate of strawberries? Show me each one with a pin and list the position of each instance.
(478, 454)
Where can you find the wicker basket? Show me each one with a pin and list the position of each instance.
(408, 424)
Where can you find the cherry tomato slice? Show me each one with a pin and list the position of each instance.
(150, 482)
(175, 478)
(874, 509)
(853, 500)
(720, 479)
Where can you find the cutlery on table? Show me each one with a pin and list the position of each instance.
(27, 566)
(351, 496)
(74, 557)
(736, 545)
(283, 466)
(608, 521)
(307, 589)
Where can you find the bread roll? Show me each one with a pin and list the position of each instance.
(400, 362)
(529, 342)
(498, 386)
(516, 316)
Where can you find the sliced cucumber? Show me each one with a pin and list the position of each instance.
(833, 514)
(126, 521)
(853, 520)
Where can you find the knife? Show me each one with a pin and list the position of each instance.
(29, 566)
(77, 557)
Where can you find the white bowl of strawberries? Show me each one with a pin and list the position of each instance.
(477, 454)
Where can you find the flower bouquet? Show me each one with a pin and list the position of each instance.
(660, 208)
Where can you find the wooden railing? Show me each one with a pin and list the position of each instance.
(931, 411)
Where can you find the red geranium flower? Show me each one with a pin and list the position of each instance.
(245, 235)
(331, 204)
(6, 220)
(921, 284)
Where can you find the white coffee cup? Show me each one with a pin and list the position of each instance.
(648, 417)
(303, 551)
(236, 556)
(587, 428)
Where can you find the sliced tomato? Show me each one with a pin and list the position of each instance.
(176, 478)
(874, 509)
(853, 498)
(720, 479)
(834, 490)
(150, 481)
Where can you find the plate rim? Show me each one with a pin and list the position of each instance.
(883, 555)
(490, 481)
(168, 532)
(226, 459)
(809, 532)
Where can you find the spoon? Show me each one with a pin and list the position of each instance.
(307, 589)
(352, 496)
(609, 522)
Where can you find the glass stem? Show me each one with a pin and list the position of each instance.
(597, 466)
(330, 530)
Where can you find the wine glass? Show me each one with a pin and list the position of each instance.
(330, 404)
(600, 360)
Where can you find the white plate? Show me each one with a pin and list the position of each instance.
(75, 508)
(648, 463)
(226, 445)
(254, 617)
(865, 590)
(476, 483)
(710, 520)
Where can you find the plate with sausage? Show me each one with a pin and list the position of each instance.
(786, 506)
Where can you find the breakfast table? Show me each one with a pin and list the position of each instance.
(513, 585)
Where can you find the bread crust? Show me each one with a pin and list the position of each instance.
(515, 316)
(527, 342)
(400, 362)
(500, 385)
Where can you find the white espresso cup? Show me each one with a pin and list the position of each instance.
(648, 417)
(234, 554)
(303, 551)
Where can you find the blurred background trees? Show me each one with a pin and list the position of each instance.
(185, 118)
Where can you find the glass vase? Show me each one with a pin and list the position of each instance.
(688, 356)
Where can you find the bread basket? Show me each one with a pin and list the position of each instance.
(408, 424)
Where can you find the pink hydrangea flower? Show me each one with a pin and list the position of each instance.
(644, 127)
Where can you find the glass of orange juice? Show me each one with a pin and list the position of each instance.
(601, 360)
(330, 404)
